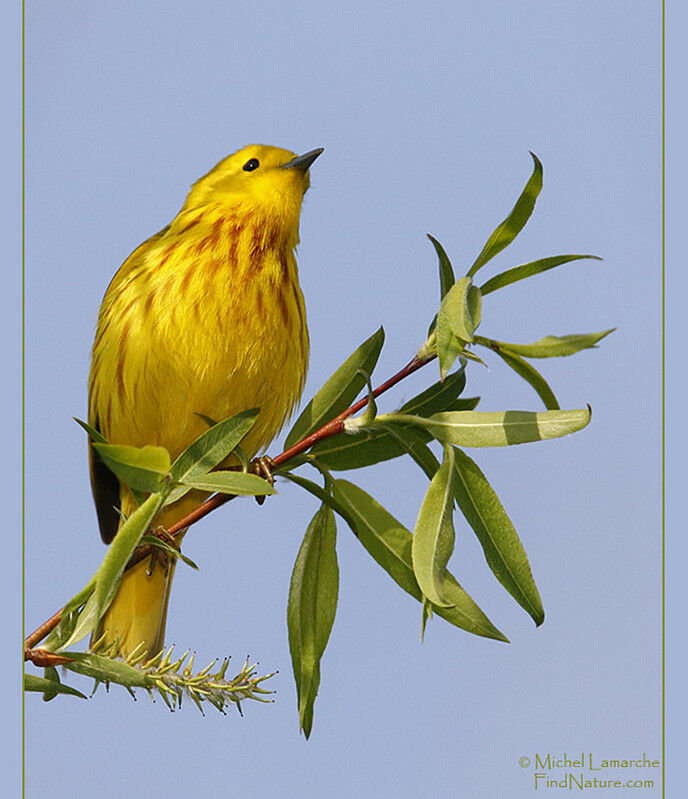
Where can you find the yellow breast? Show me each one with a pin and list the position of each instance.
(207, 318)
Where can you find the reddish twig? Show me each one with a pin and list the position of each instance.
(332, 428)
(40, 633)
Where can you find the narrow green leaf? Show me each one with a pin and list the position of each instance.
(340, 390)
(69, 618)
(426, 615)
(207, 419)
(389, 543)
(449, 348)
(447, 278)
(311, 608)
(455, 325)
(530, 375)
(528, 270)
(84, 625)
(109, 573)
(209, 449)
(99, 438)
(464, 612)
(433, 535)
(503, 550)
(141, 468)
(121, 549)
(551, 346)
(105, 669)
(384, 538)
(495, 429)
(507, 230)
(238, 483)
(32, 682)
(51, 675)
(63, 630)
(436, 397)
(415, 445)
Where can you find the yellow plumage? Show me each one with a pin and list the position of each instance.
(205, 317)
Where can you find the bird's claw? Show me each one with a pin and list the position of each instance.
(263, 468)
(159, 555)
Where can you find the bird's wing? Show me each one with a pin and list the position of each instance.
(104, 485)
(105, 488)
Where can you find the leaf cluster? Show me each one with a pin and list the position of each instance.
(417, 560)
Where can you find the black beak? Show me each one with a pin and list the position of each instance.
(302, 162)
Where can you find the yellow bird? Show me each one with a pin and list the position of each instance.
(205, 317)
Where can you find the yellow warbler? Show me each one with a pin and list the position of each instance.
(205, 317)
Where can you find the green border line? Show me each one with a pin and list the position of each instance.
(663, 389)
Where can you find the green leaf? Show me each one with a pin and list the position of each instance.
(464, 612)
(63, 630)
(507, 230)
(99, 438)
(209, 449)
(207, 419)
(530, 375)
(433, 536)
(311, 608)
(460, 310)
(105, 669)
(426, 615)
(68, 620)
(495, 429)
(51, 675)
(447, 278)
(389, 543)
(458, 317)
(340, 390)
(449, 348)
(414, 444)
(384, 538)
(32, 682)
(175, 553)
(238, 483)
(141, 468)
(551, 346)
(107, 578)
(437, 396)
(503, 550)
(527, 270)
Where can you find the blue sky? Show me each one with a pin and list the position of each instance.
(426, 117)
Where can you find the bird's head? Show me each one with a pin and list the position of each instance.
(260, 179)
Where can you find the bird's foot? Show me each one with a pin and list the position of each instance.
(263, 468)
(159, 555)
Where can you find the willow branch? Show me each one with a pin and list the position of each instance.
(332, 428)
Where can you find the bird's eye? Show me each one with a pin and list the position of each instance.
(249, 166)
